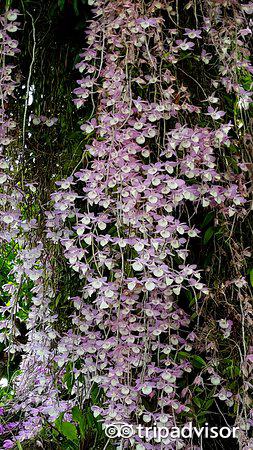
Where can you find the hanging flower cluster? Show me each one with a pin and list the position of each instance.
(227, 37)
(11, 196)
(129, 243)
(10, 215)
(43, 120)
(29, 266)
(125, 222)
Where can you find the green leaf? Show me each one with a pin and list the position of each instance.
(61, 4)
(184, 355)
(58, 422)
(76, 7)
(68, 377)
(208, 234)
(251, 276)
(19, 445)
(76, 413)
(197, 401)
(79, 418)
(94, 393)
(89, 418)
(208, 403)
(207, 219)
(198, 362)
(69, 430)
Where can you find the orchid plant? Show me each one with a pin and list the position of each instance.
(126, 222)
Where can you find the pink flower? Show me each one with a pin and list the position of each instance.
(185, 45)
(8, 444)
(214, 113)
(192, 33)
(249, 358)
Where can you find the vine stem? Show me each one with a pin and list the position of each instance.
(28, 83)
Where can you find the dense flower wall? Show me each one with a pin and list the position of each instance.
(30, 267)
(157, 158)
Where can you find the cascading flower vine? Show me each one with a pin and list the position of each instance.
(130, 242)
(30, 265)
(125, 222)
